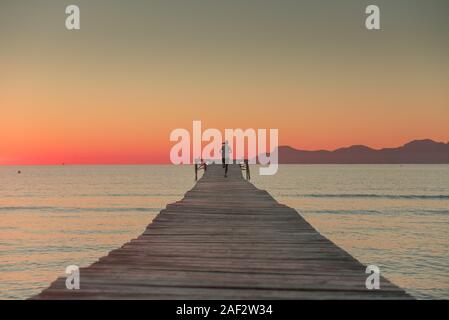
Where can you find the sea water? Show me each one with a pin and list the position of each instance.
(393, 216)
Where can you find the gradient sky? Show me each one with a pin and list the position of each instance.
(113, 91)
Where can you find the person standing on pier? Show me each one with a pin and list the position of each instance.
(225, 151)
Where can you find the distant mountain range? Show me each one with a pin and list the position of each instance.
(418, 151)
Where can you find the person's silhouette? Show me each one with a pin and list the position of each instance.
(225, 151)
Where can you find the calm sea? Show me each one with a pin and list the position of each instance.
(393, 216)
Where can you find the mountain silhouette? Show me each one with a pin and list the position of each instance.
(418, 151)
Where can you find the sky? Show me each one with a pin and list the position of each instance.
(113, 91)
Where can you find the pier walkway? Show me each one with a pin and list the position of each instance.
(226, 239)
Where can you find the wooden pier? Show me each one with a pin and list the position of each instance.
(226, 239)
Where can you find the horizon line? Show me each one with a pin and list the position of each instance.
(62, 163)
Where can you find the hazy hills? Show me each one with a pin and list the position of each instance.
(417, 151)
